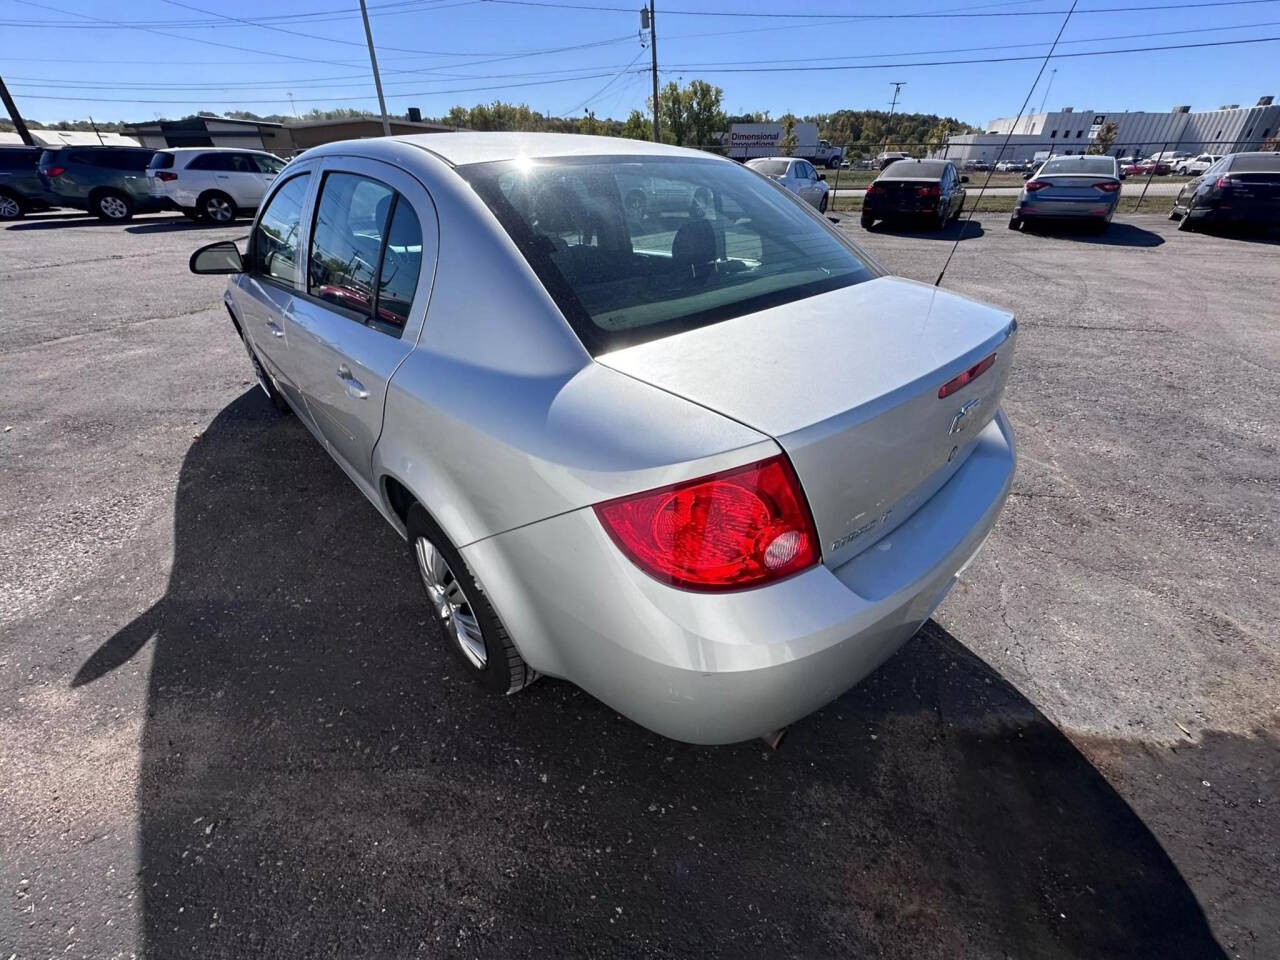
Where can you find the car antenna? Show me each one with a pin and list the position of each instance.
(1021, 110)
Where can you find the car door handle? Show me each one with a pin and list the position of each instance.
(355, 389)
(275, 328)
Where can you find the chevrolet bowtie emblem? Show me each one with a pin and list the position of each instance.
(961, 419)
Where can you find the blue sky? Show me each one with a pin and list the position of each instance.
(437, 53)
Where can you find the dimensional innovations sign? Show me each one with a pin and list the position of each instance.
(1099, 120)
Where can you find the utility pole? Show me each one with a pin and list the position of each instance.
(647, 21)
(377, 80)
(16, 117)
(897, 85)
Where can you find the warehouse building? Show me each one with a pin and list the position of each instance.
(1229, 129)
(282, 139)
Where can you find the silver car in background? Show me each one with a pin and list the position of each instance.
(797, 175)
(1082, 187)
(710, 463)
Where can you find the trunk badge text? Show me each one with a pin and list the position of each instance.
(960, 421)
(855, 534)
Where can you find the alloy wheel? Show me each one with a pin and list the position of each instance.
(450, 602)
(114, 207)
(218, 210)
(10, 209)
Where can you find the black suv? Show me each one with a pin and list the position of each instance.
(110, 182)
(20, 188)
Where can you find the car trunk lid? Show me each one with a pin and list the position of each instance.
(847, 383)
(1073, 186)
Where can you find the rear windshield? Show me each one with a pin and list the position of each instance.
(1256, 163)
(1093, 166)
(637, 248)
(914, 169)
(770, 168)
(161, 161)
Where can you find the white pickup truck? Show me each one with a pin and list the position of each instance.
(746, 141)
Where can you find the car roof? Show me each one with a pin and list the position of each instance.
(464, 147)
(177, 150)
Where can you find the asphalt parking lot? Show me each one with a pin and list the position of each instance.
(228, 728)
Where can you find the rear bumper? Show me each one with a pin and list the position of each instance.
(720, 668)
(1031, 206)
(1251, 214)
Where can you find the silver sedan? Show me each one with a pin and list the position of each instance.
(1080, 187)
(703, 459)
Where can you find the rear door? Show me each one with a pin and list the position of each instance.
(240, 178)
(369, 270)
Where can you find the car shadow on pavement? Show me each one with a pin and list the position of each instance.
(1117, 234)
(318, 777)
(961, 229)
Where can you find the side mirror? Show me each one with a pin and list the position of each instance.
(221, 257)
(822, 177)
(964, 179)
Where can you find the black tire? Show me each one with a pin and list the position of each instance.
(113, 206)
(1174, 214)
(264, 380)
(504, 670)
(867, 222)
(12, 206)
(1185, 223)
(1015, 223)
(216, 208)
(832, 163)
(822, 204)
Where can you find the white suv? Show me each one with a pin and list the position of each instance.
(216, 184)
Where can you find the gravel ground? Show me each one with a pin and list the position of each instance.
(228, 728)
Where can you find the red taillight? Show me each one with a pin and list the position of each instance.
(740, 528)
(1110, 186)
(1034, 185)
(930, 191)
(875, 188)
(166, 176)
(1224, 182)
(968, 376)
(54, 171)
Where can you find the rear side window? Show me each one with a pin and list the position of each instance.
(275, 239)
(161, 161)
(18, 159)
(124, 160)
(208, 161)
(366, 248)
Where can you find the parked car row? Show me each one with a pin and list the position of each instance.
(216, 184)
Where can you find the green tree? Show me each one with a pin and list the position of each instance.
(787, 143)
(673, 113)
(1105, 139)
(637, 127)
(589, 125)
(703, 116)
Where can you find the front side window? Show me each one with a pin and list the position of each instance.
(722, 245)
(241, 163)
(267, 164)
(275, 239)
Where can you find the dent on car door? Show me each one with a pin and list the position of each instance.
(267, 288)
(372, 253)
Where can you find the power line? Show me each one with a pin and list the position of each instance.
(417, 93)
(886, 16)
(1021, 110)
(988, 60)
(867, 66)
(607, 85)
(315, 16)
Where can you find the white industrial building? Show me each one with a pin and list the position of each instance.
(1229, 129)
